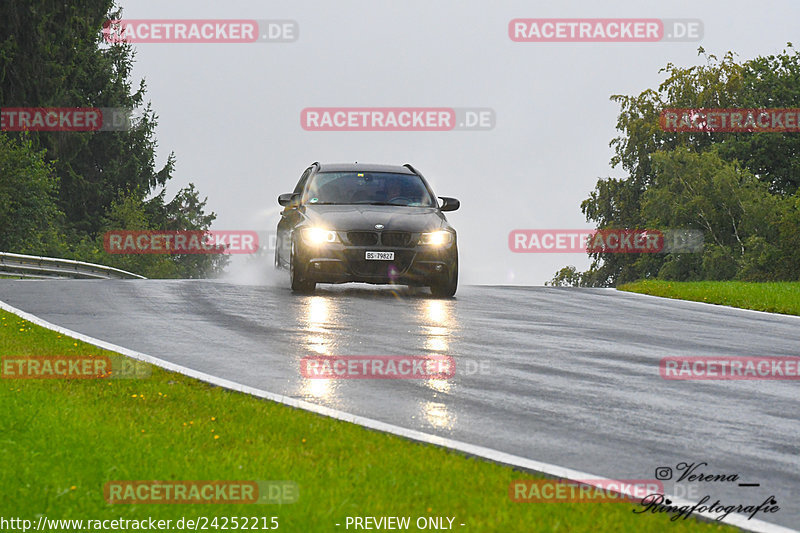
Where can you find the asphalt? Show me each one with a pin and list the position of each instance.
(563, 376)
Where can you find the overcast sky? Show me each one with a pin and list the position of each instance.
(231, 112)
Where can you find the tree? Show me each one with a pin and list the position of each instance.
(29, 215)
(566, 277)
(747, 245)
(52, 55)
(736, 212)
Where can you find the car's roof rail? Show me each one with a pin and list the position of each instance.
(316, 164)
(412, 169)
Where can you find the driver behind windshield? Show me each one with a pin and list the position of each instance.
(395, 192)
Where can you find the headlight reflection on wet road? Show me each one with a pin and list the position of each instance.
(319, 339)
(430, 326)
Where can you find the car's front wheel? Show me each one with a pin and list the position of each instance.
(298, 283)
(446, 288)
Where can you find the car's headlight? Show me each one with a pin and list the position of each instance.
(317, 236)
(436, 238)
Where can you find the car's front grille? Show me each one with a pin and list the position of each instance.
(397, 239)
(377, 269)
(362, 238)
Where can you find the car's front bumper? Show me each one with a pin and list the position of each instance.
(339, 263)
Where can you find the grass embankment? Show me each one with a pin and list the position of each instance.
(778, 297)
(63, 440)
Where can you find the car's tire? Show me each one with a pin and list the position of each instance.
(298, 283)
(447, 287)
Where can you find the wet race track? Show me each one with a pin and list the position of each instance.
(568, 377)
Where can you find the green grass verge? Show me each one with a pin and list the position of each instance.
(62, 440)
(779, 297)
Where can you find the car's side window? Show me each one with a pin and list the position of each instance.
(302, 183)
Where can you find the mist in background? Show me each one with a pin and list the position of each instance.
(231, 112)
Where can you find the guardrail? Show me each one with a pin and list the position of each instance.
(34, 266)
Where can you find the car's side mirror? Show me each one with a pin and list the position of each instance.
(449, 204)
(289, 199)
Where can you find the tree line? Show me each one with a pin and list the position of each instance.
(739, 188)
(60, 191)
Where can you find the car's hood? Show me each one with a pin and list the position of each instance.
(365, 217)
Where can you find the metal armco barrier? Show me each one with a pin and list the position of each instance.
(33, 266)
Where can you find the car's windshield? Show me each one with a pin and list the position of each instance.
(376, 188)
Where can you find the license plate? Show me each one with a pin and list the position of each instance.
(380, 256)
